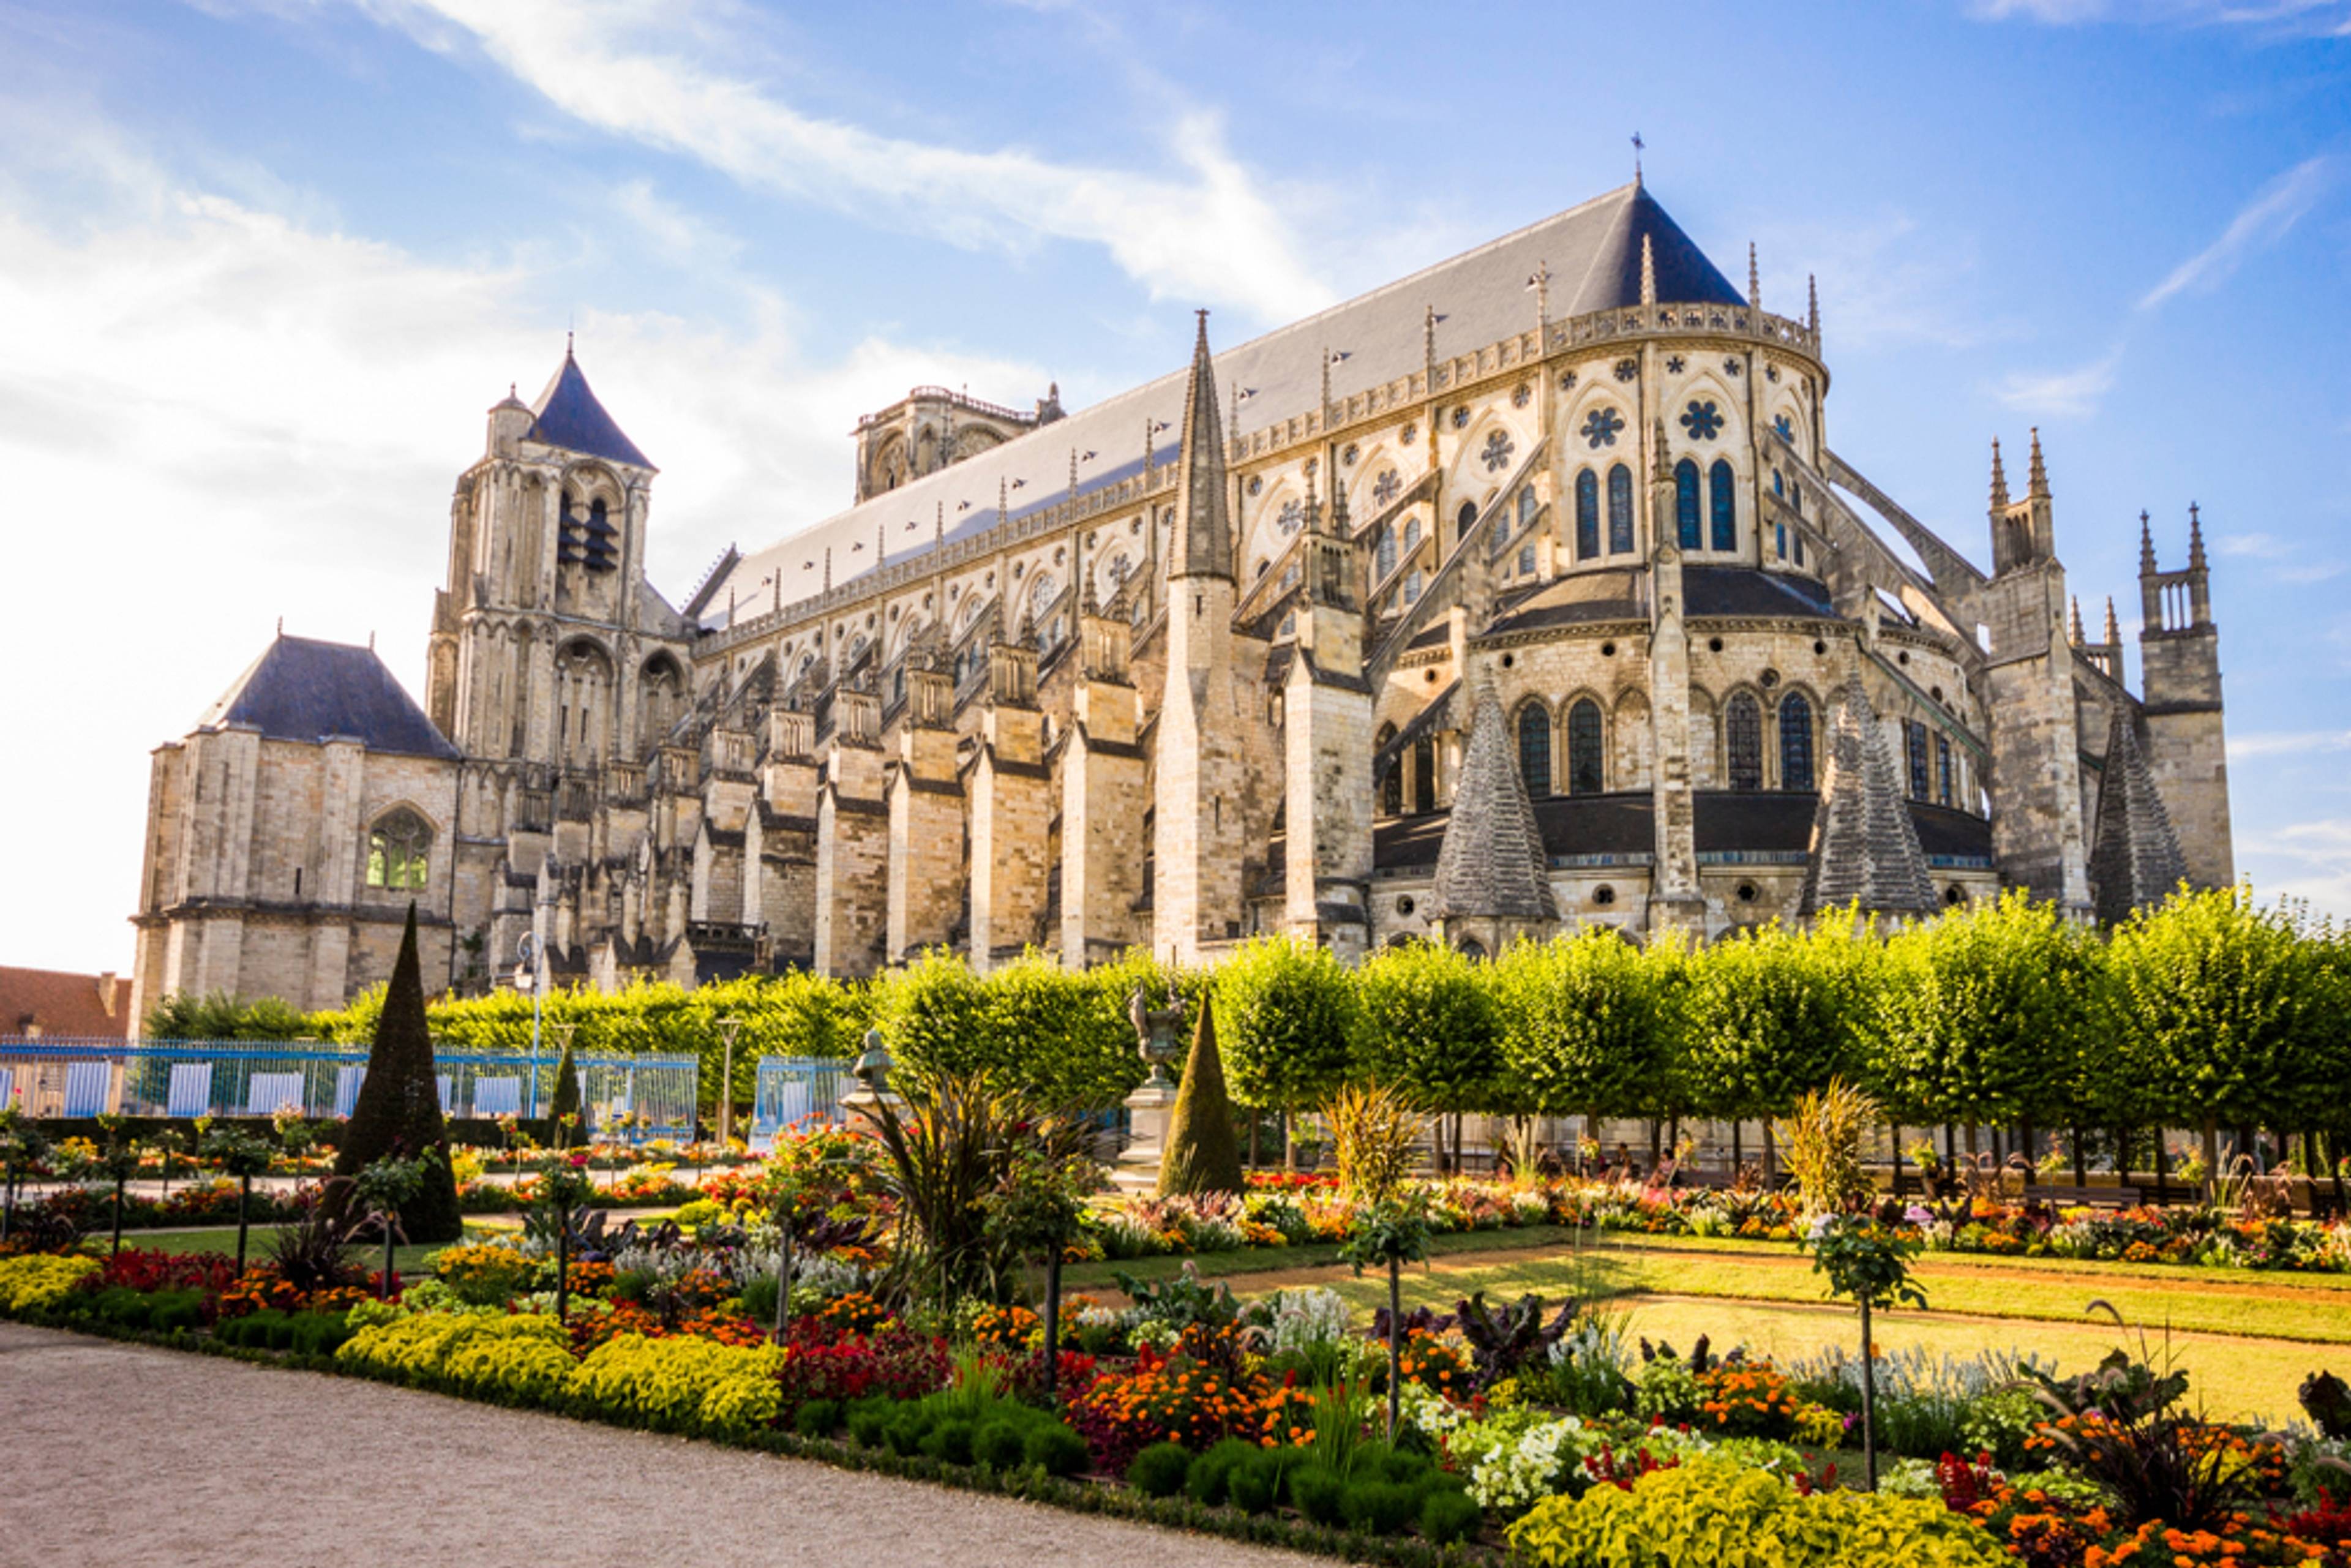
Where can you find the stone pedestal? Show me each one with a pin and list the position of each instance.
(1149, 1109)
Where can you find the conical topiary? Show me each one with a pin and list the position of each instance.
(399, 1107)
(563, 1134)
(1202, 1154)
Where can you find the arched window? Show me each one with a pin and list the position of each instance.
(1915, 734)
(1742, 736)
(1463, 519)
(1534, 750)
(1411, 532)
(1526, 560)
(1725, 506)
(1942, 769)
(1423, 775)
(1686, 521)
(1586, 773)
(1587, 515)
(1620, 509)
(1412, 586)
(1392, 780)
(1472, 949)
(1383, 555)
(399, 851)
(1526, 504)
(1795, 742)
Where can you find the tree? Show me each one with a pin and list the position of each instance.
(1770, 1014)
(1584, 1027)
(2220, 1007)
(1432, 1030)
(243, 1157)
(1873, 1269)
(398, 1112)
(1293, 1018)
(563, 1111)
(1201, 1155)
(1391, 1234)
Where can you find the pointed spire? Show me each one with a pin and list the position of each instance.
(2146, 545)
(1203, 543)
(1074, 475)
(1313, 519)
(828, 569)
(2195, 538)
(1999, 479)
(2135, 856)
(1660, 470)
(2037, 481)
(2079, 640)
(1491, 864)
(1648, 272)
(1754, 280)
(2114, 632)
(1813, 307)
(1864, 847)
(939, 524)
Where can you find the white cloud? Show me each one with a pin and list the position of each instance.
(2308, 861)
(664, 73)
(2290, 18)
(2288, 743)
(1884, 281)
(2062, 393)
(2265, 220)
(2260, 547)
(213, 414)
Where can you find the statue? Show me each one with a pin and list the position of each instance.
(1156, 1035)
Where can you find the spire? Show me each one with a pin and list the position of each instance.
(2135, 857)
(1491, 864)
(939, 525)
(1003, 500)
(1313, 520)
(1813, 307)
(1326, 384)
(1999, 479)
(1754, 280)
(2146, 545)
(1864, 846)
(1074, 476)
(1648, 272)
(2079, 640)
(1203, 543)
(2037, 481)
(1660, 470)
(2113, 633)
(881, 542)
(828, 569)
(2195, 538)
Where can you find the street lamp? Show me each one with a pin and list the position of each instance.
(726, 1027)
(529, 964)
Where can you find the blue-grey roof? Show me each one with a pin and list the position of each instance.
(568, 415)
(1592, 253)
(302, 689)
(1746, 591)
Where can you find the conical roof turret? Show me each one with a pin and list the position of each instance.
(1865, 848)
(1203, 542)
(2135, 857)
(1491, 865)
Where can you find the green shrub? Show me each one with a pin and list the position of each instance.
(1447, 1516)
(1160, 1469)
(817, 1418)
(256, 1330)
(1315, 1491)
(176, 1312)
(906, 1430)
(1205, 1481)
(319, 1334)
(950, 1441)
(1255, 1484)
(869, 1421)
(1201, 1153)
(758, 1298)
(1055, 1450)
(999, 1443)
(1378, 1508)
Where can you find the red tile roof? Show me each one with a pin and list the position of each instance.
(62, 1006)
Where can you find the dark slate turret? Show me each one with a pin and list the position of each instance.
(1491, 866)
(568, 415)
(1864, 846)
(1203, 543)
(2135, 860)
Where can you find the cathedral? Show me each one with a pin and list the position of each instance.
(1523, 594)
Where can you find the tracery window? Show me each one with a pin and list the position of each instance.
(1795, 742)
(1526, 560)
(1587, 515)
(1412, 586)
(1387, 487)
(1686, 518)
(1527, 505)
(1916, 734)
(1496, 454)
(1942, 769)
(1534, 750)
(1585, 772)
(1291, 516)
(1702, 419)
(1620, 509)
(1411, 533)
(399, 851)
(1599, 427)
(1724, 504)
(1743, 737)
(1787, 431)
(1383, 555)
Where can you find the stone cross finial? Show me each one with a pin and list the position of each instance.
(1813, 307)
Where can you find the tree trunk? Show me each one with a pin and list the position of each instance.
(119, 1183)
(1053, 1327)
(1738, 1154)
(244, 1200)
(1770, 1156)
(2212, 1156)
(1868, 1405)
(383, 1285)
(1395, 1345)
(1656, 1144)
(2081, 1158)
(562, 1264)
(1289, 1145)
(1898, 1160)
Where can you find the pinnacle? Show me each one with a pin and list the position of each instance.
(2114, 627)
(1754, 280)
(1998, 477)
(2146, 545)
(2195, 538)
(2037, 485)
(2076, 622)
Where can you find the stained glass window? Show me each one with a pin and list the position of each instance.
(1534, 750)
(1599, 427)
(1423, 775)
(399, 851)
(1724, 504)
(1686, 519)
(1585, 775)
(1527, 505)
(1411, 533)
(1702, 419)
(1779, 536)
(1787, 432)
(1526, 560)
(1942, 769)
(1587, 515)
(1743, 737)
(1291, 516)
(1383, 555)
(1916, 733)
(1412, 586)
(1620, 509)
(1795, 742)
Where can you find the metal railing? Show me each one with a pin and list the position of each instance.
(632, 1097)
(797, 1090)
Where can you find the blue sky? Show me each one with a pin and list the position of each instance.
(265, 263)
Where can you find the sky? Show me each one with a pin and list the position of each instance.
(264, 264)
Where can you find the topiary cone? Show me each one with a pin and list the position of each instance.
(399, 1106)
(1202, 1154)
(567, 1103)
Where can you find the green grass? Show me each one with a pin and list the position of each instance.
(411, 1263)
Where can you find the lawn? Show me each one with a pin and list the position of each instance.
(410, 1263)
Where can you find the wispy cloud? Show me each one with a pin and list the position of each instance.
(2282, 556)
(2288, 743)
(2063, 393)
(2308, 861)
(2262, 222)
(2297, 18)
(663, 73)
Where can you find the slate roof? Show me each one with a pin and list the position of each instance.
(1593, 252)
(303, 689)
(567, 414)
(1492, 864)
(1745, 591)
(2134, 858)
(1581, 596)
(1864, 843)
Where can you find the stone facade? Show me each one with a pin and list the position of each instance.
(1209, 659)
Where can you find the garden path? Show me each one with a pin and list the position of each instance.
(124, 1454)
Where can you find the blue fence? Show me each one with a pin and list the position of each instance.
(794, 1090)
(632, 1097)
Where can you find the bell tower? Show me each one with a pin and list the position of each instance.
(2179, 661)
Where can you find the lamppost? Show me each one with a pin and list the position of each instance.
(726, 1027)
(529, 963)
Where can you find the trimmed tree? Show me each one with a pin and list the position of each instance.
(1202, 1156)
(1586, 1030)
(561, 1132)
(1432, 1030)
(398, 1114)
(1292, 1018)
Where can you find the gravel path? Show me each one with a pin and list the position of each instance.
(122, 1455)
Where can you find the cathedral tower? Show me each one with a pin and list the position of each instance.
(2179, 659)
